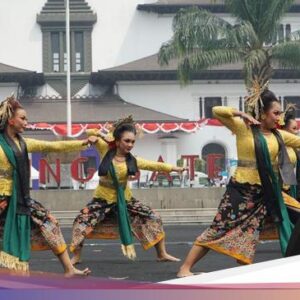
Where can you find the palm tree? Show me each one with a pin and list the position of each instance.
(202, 40)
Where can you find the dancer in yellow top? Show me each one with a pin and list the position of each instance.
(113, 206)
(20, 215)
(291, 196)
(253, 191)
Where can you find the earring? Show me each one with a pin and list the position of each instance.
(263, 116)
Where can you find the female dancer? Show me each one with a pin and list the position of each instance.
(294, 242)
(291, 196)
(288, 123)
(113, 199)
(20, 215)
(253, 191)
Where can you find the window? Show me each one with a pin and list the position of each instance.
(241, 104)
(78, 51)
(209, 103)
(55, 50)
(65, 52)
(214, 155)
(294, 100)
(53, 27)
(288, 31)
(59, 55)
(201, 108)
(283, 33)
(280, 34)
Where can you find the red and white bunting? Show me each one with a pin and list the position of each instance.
(78, 129)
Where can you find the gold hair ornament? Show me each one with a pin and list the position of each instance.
(6, 111)
(289, 107)
(253, 102)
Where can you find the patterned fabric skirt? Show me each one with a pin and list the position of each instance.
(239, 220)
(45, 230)
(98, 220)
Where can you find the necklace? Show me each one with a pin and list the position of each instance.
(118, 159)
(266, 132)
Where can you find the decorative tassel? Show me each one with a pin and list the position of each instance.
(12, 262)
(290, 201)
(129, 251)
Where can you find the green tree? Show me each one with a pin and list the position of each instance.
(202, 40)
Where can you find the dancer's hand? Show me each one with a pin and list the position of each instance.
(105, 134)
(90, 140)
(179, 169)
(249, 120)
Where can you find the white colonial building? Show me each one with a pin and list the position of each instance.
(114, 46)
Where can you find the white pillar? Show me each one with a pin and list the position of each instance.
(169, 149)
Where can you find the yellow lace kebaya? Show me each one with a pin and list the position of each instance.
(33, 146)
(105, 189)
(245, 144)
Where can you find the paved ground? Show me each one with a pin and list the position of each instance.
(105, 259)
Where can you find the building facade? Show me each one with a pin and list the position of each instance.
(114, 46)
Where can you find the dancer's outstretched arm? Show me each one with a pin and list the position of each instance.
(290, 140)
(150, 165)
(34, 145)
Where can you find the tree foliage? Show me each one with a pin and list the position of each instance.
(202, 40)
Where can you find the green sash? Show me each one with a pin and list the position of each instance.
(285, 227)
(15, 251)
(293, 191)
(123, 218)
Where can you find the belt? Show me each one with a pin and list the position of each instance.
(111, 185)
(251, 164)
(5, 174)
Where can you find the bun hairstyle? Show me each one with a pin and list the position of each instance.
(289, 115)
(8, 107)
(267, 98)
(123, 125)
(118, 132)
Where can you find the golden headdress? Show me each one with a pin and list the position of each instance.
(253, 102)
(127, 120)
(107, 132)
(6, 111)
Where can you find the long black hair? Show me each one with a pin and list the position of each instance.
(267, 98)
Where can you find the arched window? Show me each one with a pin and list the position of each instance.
(214, 155)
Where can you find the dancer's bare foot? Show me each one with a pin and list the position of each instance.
(187, 274)
(183, 273)
(76, 272)
(167, 257)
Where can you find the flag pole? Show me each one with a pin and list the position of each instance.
(69, 112)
